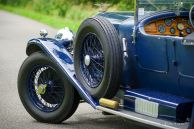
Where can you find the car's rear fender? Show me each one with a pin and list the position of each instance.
(63, 59)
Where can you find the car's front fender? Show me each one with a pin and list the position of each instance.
(63, 59)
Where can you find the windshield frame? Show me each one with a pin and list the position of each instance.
(177, 10)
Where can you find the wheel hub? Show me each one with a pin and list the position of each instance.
(41, 89)
(87, 60)
(92, 60)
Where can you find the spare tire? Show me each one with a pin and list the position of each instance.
(98, 57)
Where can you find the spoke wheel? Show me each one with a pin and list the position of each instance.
(98, 57)
(46, 95)
(46, 88)
(92, 60)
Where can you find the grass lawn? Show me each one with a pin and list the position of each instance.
(73, 19)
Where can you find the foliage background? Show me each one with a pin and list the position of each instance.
(61, 6)
(58, 13)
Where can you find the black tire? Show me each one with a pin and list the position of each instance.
(70, 100)
(112, 52)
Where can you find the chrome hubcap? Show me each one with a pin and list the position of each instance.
(87, 60)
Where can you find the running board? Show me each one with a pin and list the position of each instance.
(145, 119)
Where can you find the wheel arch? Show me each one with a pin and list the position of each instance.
(63, 59)
(33, 46)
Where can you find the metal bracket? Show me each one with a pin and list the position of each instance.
(124, 40)
(134, 35)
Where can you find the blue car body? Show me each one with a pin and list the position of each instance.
(161, 63)
(158, 68)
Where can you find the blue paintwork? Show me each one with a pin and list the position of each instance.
(64, 60)
(125, 30)
(159, 63)
(65, 43)
(163, 60)
(170, 106)
(116, 18)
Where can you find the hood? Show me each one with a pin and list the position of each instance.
(117, 17)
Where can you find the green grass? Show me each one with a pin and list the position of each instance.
(72, 20)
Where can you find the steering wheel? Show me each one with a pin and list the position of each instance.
(190, 16)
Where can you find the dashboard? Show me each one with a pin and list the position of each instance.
(174, 26)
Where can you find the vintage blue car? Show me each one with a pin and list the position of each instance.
(138, 65)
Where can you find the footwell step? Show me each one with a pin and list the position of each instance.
(145, 119)
(158, 105)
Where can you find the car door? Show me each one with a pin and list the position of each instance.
(185, 64)
(152, 61)
(152, 53)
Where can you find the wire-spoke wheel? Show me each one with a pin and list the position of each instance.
(92, 60)
(46, 88)
(98, 57)
(46, 95)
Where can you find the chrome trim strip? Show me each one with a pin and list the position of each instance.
(159, 100)
(144, 119)
(185, 76)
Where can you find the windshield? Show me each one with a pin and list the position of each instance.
(150, 6)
